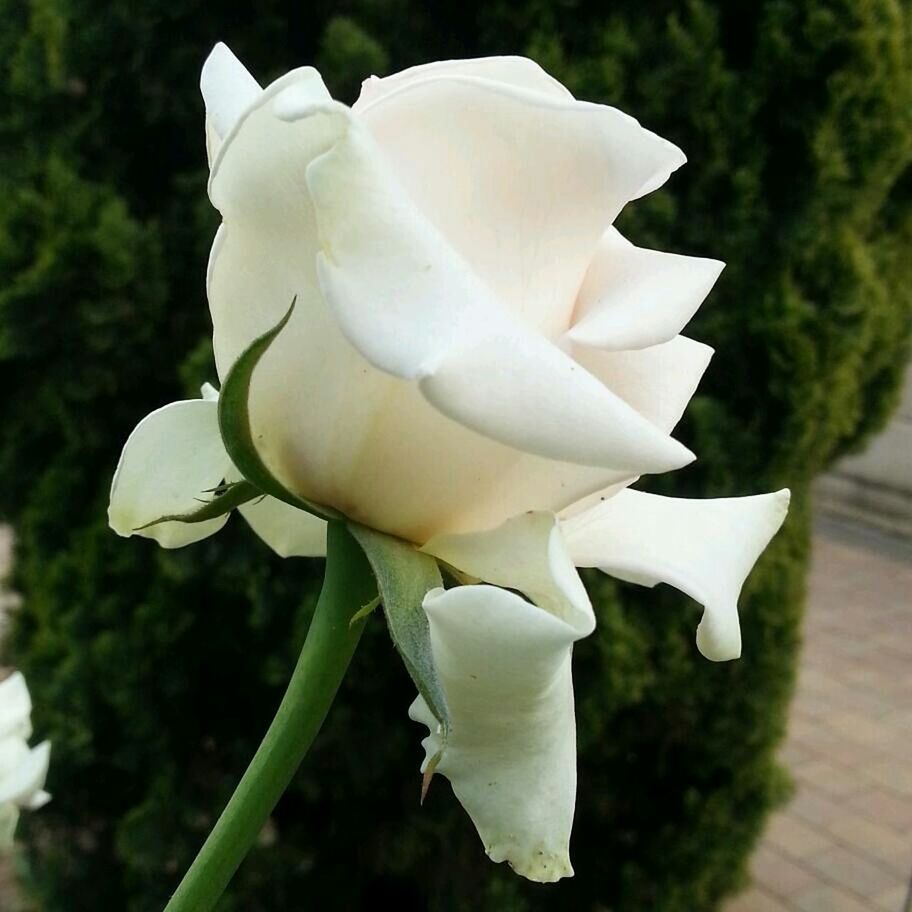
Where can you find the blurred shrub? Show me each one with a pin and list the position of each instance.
(155, 673)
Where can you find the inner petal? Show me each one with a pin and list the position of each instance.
(521, 183)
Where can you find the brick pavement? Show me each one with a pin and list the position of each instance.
(844, 842)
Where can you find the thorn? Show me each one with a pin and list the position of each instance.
(429, 771)
(425, 784)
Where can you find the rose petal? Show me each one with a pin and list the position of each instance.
(705, 548)
(288, 531)
(38, 800)
(416, 310)
(511, 753)
(15, 707)
(505, 667)
(173, 457)
(532, 483)
(526, 553)
(516, 71)
(657, 381)
(228, 90)
(23, 770)
(635, 298)
(264, 255)
(522, 184)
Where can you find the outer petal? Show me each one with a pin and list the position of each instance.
(521, 183)
(23, 771)
(415, 309)
(511, 754)
(634, 298)
(15, 707)
(705, 548)
(505, 666)
(267, 258)
(657, 381)
(173, 456)
(527, 553)
(288, 531)
(228, 89)
(516, 71)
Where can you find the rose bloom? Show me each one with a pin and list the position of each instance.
(477, 363)
(22, 769)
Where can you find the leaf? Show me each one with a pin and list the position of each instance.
(234, 425)
(227, 498)
(404, 577)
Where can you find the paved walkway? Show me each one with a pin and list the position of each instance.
(844, 842)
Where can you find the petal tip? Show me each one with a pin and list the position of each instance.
(683, 456)
(541, 865)
(718, 649)
(301, 99)
(220, 57)
(718, 646)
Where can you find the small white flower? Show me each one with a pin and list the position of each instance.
(22, 769)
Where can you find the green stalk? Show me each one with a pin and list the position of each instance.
(331, 640)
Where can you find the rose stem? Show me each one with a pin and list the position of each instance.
(330, 644)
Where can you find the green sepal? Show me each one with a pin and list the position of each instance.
(227, 498)
(234, 425)
(404, 577)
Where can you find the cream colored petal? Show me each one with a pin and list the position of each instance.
(511, 753)
(171, 460)
(635, 298)
(314, 398)
(38, 800)
(526, 553)
(657, 381)
(264, 254)
(15, 707)
(228, 90)
(415, 309)
(705, 548)
(23, 770)
(516, 71)
(288, 531)
(522, 184)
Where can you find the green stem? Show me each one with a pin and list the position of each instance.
(331, 640)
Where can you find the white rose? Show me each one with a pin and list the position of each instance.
(478, 363)
(22, 769)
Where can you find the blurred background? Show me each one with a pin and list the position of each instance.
(154, 673)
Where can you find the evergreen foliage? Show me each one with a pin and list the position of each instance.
(155, 673)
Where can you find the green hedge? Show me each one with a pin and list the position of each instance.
(155, 673)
